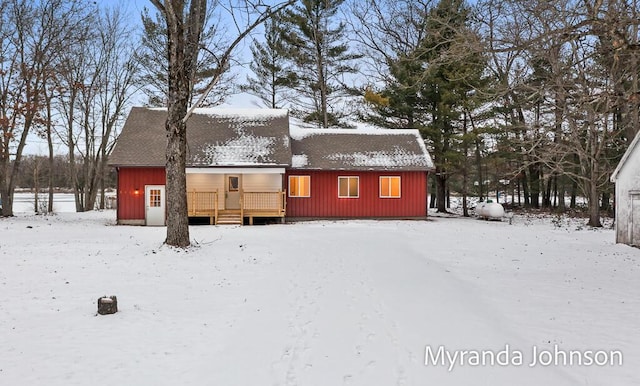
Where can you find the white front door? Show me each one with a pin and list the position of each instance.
(232, 191)
(154, 204)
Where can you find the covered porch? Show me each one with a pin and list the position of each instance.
(231, 195)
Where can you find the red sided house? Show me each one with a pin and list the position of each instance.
(248, 163)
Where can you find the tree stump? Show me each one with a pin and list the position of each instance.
(107, 305)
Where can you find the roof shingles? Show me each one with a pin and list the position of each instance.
(223, 137)
(214, 138)
(387, 149)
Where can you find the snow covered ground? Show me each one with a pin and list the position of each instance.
(319, 303)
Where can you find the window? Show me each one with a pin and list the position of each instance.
(299, 186)
(234, 183)
(389, 187)
(154, 198)
(348, 187)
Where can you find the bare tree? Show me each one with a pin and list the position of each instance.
(31, 36)
(568, 75)
(107, 98)
(95, 81)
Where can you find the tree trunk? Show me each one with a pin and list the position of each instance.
(606, 205)
(10, 170)
(525, 188)
(547, 193)
(183, 45)
(534, 186)
(479, 171)
(465, 189)
(561, 191)
(594, 204)
(36, 187)
(6, 197)
(441, 195)
(101, 187)
(434, 194)
(177, 216)
(594, 196)
(73, 171)
(51, 183)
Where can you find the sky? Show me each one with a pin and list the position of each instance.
(134, 8)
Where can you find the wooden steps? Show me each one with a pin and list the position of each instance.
(229, 218)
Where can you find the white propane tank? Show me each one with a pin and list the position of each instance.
(490, 210)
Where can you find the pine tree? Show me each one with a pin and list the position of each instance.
(429, 84)
(453, 72)
(153, 57)
(272, 76)
(314, 41)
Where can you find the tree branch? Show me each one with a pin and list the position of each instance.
(226, 56)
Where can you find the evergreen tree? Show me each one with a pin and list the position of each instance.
(315, 44)
(272, 77)
(153, 57)
(453, 72)
(429, 85)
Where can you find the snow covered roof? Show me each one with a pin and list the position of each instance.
(223, 137)
(215, 137)
(367, 148)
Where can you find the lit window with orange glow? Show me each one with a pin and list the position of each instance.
(389, 187)
(348, 187)
(299, 186)
(155, 197)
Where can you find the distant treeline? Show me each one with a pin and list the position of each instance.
(34, 172)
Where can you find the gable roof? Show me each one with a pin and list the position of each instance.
(215, 137)
(625, 157)
(262, 137)
(359, 149)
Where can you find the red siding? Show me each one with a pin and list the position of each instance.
(324, 201)
(130, 204)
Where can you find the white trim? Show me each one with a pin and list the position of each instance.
(235, 170)
(349, 177)
(625, 156)
(633, 197)
(155, 215)
(399, 187)
(289, 185)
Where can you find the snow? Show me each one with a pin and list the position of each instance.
(398, 158)
(300, 132)
(244, 150)
(318, 303)
(299, 160)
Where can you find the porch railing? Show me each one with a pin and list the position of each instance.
(202, 203)
(264, 201)
(207, 203)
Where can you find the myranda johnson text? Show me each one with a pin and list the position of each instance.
(555, 356)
